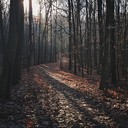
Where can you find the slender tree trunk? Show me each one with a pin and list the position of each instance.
(90, 39)
(74, 39)
(70, 35)
(51, 41)
(39, 39)
(46, 40)
(104, 70)
(17, 70)
(29, 59)
(94, 36)
(112, 44)
(87, 40)
(100, 22)
(4, 50)
(55, 38)
(62, 51)
(118, 40)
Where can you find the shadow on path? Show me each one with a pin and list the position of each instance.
(96, 112)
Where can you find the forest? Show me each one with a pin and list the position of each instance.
(63, 64)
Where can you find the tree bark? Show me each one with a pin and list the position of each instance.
(9, 71)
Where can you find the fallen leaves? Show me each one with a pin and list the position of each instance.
(50, 97)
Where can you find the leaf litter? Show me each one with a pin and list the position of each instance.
(48, 97)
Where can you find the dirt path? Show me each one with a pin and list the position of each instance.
(48, 97)
(81, 104)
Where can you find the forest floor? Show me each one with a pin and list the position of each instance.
(48, 97)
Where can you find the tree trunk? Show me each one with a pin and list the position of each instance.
(9, 71)
(29, 59)
(112, 44)
(70, 35)
(104, 69)
(100, 22)
(74, 39)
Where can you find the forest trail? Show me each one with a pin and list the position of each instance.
(48, 97)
